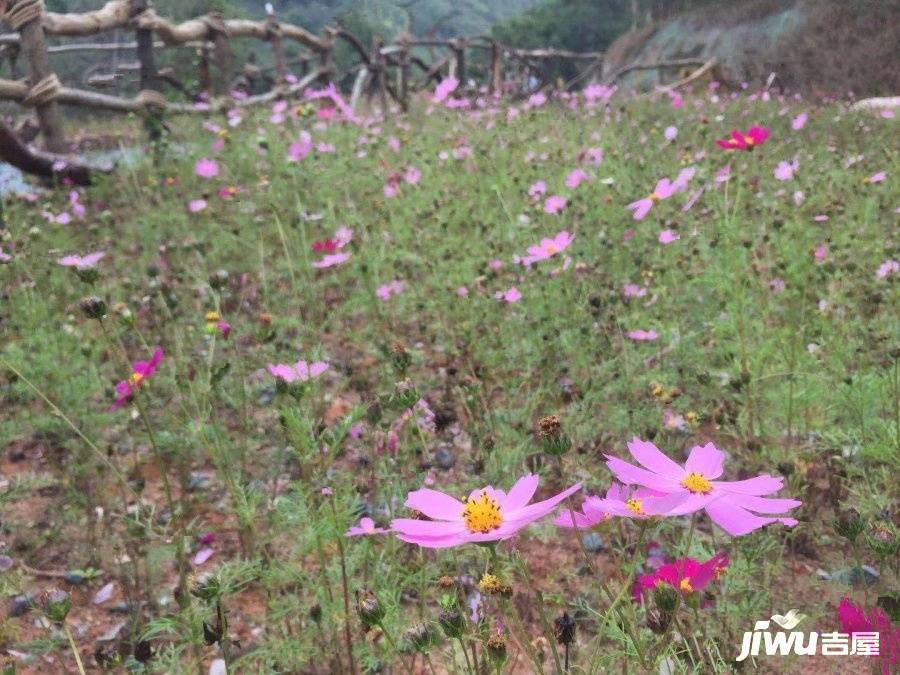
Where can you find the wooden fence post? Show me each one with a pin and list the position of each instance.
(217, 33)
(150, 85)
(459, 52)
(496, 85)
(404, 74)
(273, 35)
(25, 17)
(203, 75)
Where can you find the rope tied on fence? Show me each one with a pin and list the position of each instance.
(150, 99)
(44, 92)
(23, 12)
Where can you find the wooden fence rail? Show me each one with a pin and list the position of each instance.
(385, 70)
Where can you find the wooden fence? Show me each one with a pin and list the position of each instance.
(385, 70)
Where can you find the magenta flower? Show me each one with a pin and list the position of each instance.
(510, 295)
(554, 204)
(732, 505)
(622, 501)
(331, 260)
(365, 528)
(300, 149)
(86, 262)
(887, 268)
(141, 370)
(487, 515)
(576, 178)
(854, 619)
(642, 335)
(668, 236)
(686, 576)
(299, 372)
(740, 141)
(206, 168)
(548, 248)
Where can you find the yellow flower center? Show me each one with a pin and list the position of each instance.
(749, 140)
(482, 514)
(550, 248)
(213, 317)
(655, 197)
(135, 379)
(685, 586)
(697, 483)
(635, 506)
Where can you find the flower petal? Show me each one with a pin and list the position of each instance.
(707, 460)
(521, 493)
(736, 520)
(652, 458)
(761, 485)
(435, 504)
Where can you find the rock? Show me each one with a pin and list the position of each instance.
(592, 542)
(21, 604)
(444, 457)
(853, 576)
(112, 633)
(199, 480)
(266, 395)
(75, 577)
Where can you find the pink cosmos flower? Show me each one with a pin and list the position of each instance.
(785, 170)
(554, 204)
(393, 288)
(496, 264)
(412, 175)
(576, 178)
(537, 189)
(686, 575)
(331, 260)
(299, 372)
(633, 291)
(854, 619)
(877, 178)
(673, 421)
(777, 285)
(740, 141)
(548, 248)
(4, 257)
(196, 205)
(365, 528)
(820, 253)
(64, 218)
(446, 87)
(887, 268)
(487, 515)
(141, 370)
(462, 292)
(594, 156)
(663, 190)
(799, 121)
(670, 133)
(620, 500)
(301, 148)
(510, 295)
(723, 174)
(206, 168)
(668, 236)
(86, 262)
(732, 505)
(642, 335)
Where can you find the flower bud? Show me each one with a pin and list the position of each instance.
(658, 621)
(452, 622)
(56, 605)
(315, 612)
(420, 636)
(665, 598)
(446, 582)
(400, 358)
(491, 584)
(564, 628)
(551, 436)
(882, 539)
(369, 609)
(93, 307)
(496, 650)
(849, 524)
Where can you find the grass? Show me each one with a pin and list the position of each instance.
(802, 383)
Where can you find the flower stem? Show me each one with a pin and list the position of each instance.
(74, 649)
(348, 638)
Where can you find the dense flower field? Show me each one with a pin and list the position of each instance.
(579, 383)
